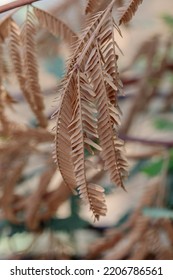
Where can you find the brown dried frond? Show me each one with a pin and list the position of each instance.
(108, 120)
(62, 138)
(125, 245)
(126, 12)
(3, 118)
(4, 121)
(32, 213)
(150, 193)
(110, 58)
(158, 243)
(103, 245)
(15, 51)
(7, 99)
(81, 126)
(15, 47)
(50, 199)
(32, 85)
(93, 6)
(1, 63)
(140, 251)
(18, 131)
(55, 26)
(7, 197)
(86, 98)
(4, 30)
(168, 227)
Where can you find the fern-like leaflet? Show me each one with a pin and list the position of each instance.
(126, 12)
(55, 26)
(32, 85)
(87, 89)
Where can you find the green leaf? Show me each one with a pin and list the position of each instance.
(69, 224)
(138, 167)
(169, 191)
(158, 213)
(153, 168)
(3, 224)
(163, 124)
(168, 19)
(13, 229)
(170, 167)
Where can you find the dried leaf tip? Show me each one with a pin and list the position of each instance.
(126, 12)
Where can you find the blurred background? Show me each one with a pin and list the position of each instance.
(39, 217)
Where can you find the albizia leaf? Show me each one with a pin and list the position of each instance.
(126, 12)
(88, 116)
(55, 26)
(32, 84)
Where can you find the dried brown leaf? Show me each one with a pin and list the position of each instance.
(91, 114)
(32, 85)
(126, 12)
(55, 26)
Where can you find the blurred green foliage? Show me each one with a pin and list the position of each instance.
(168, 19)
(163, 124)
(158, 213)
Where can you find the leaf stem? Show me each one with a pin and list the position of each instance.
(15, 4)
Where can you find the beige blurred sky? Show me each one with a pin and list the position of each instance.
(5, 1)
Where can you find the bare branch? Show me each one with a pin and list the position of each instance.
(15, 4)
(152, 142)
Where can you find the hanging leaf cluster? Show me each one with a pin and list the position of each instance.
(88, 115)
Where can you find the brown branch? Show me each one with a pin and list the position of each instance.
(152, 142)
(15, 4)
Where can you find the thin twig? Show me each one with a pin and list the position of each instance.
(152, 142)
(15, 4)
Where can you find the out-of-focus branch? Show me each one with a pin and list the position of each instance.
(15, 4)
(151, 142)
